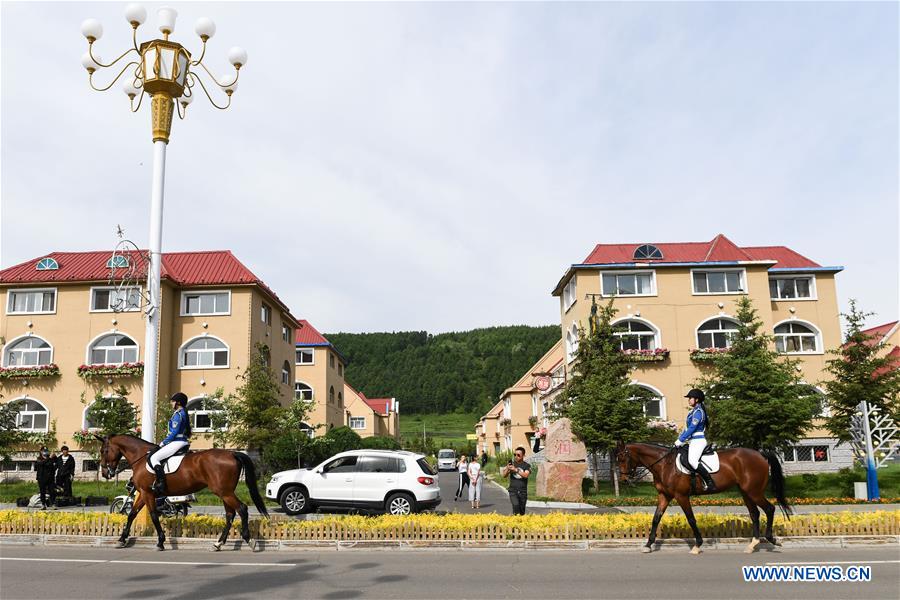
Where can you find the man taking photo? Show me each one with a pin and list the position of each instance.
(518, 471)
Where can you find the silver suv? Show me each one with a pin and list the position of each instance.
(395, 481)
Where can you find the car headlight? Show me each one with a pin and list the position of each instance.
(274, 478)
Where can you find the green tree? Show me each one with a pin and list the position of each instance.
(861, 371)
(379, 442)
(755, 395)
(10, 435)
(113, 415)
(604, 406)
(254, 414)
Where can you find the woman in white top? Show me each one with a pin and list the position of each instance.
(462, 469)
(476, 477)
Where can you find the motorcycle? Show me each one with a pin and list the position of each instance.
(168, 506)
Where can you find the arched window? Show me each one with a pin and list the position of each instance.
(308, 430)
(821, 400)
(117, 261)
(206, 415)
(653, 400)
(87, 423)
(331, 395)
(796, 338)
(647, 251)
(47, 264)
(203, 353)
(635, 335)
(113, 349)
(286, 373)
(572, 343)
(303, 392)
(716, 333)
(30, 351)
(31, 415)
(340, 399)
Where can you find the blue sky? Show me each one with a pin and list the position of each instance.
(439, 166)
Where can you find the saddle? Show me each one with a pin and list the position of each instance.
(709, 459)
(171, 464)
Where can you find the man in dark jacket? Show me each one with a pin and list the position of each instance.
(65, 471)
(46, 471)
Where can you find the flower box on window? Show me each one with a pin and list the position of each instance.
(657, 355)
(707, 354)
(505, 422)
(51, 370)
(135, 369)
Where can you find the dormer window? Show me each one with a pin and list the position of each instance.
(117, 262)
(647, 252)
(47, 264)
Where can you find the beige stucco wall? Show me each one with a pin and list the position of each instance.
(321, 377)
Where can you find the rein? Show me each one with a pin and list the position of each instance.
(639, 474)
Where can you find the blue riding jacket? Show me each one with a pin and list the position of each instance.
(695, 425)
(177, 427)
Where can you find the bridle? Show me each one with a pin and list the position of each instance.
(640, 469)
(110, 472)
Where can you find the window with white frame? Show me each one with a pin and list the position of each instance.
(653, 403)
(30, 351)
(206, 415)
(205, 303)
(792, 288)
(24, 302)
(821, 409)
(303, 392)
(266, 314)
(204, 352)
(114, 299)
(306, 356)
(719, 281)
(286, 373)
(635, 335)
(642, 283)
(47, 264)
(716, 333)
(817, 453)
(117, 261)
(647, 252)
(286, 334)
(31, 415)
(308, 430)
(569, 294)
(357, 422)
(571, 343)
(113, 349)
(795, 338)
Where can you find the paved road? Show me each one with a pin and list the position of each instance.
(37, 572)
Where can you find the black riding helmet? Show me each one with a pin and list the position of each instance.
(180, 399)
(695, 393)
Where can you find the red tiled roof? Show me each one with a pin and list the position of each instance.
(307, 335)
(879, 331)
(210, 267)
(379, 405)
(719, 249)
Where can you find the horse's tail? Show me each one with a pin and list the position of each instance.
(250, 475)
(777, 481)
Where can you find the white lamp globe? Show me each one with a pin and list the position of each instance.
(237, 56)
(89, 63)
(185, 100)
(167, 18)
(135, 14)
(228, 88)
(205, 27)
(129, 89)
(91, 28)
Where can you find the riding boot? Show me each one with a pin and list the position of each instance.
(159, 486)
(707, 478)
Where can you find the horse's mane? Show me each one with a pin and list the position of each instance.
(136, 438)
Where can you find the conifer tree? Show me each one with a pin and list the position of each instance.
(254, 413)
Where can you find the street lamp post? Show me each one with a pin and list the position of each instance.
(164, 71)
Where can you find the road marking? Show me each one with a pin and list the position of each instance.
(836, 562)
(154, 562)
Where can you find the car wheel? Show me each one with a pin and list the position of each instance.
(400, 504)
(294, 500)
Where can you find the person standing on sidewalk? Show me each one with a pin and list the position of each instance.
(462, 468)
(65, 471)
(46, 471)
(518, 471)
(476, 478)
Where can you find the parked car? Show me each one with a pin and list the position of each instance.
(446, 460)
(395, 481)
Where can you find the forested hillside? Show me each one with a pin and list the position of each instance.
(448, 372)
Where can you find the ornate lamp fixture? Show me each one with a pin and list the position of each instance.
(162, 69)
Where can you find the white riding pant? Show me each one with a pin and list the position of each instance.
(695, 451)
(166, 451)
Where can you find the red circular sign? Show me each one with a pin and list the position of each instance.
(543, 383)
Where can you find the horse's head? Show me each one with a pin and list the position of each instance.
(627, 463)
(110, 455)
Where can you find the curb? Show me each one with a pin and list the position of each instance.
(673, 544)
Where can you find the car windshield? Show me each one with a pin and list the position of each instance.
(446, 454)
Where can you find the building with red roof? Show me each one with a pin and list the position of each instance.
(319, 372)
(73, 327)
(372, 416)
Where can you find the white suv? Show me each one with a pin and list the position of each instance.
(397, 482)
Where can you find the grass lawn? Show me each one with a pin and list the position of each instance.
(9, 491)
(443, 429)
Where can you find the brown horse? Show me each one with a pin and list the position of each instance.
(219, 470)
(744, 468)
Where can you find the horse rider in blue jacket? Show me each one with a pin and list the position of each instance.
(179, 433)
(694, 435)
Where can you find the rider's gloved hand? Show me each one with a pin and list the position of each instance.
(679, 443)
